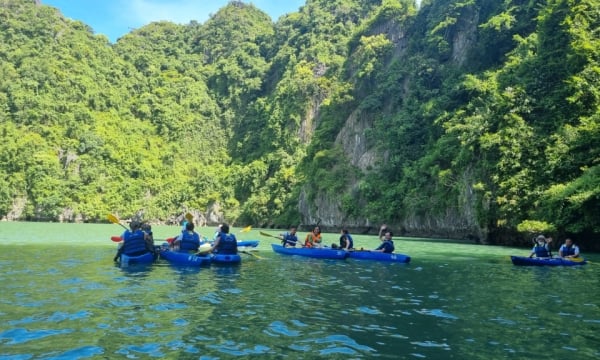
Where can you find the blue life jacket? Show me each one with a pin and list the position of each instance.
(541, 251)
(568, 250)
(189, 241)
(348, 239)
(290, 239)
(387, 246)
(134, 243)
(227, 244)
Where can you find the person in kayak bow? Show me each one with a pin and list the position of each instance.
(541, 249)
(313, 239)
(289, 239)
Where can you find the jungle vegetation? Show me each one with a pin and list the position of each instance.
(480, 111)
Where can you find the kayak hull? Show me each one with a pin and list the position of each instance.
(184, 259)
(378, 256)
(526, 261)
(248, 243)
(146, 258)
(226, 259)
(326, 253)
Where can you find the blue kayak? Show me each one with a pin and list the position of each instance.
(226, 259)
(244, 243)
(247, 243)
(323, 253)
(146, 258)
(527, 261)
(184, 259)
(378, 256)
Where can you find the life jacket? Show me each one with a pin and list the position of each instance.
(189, 241)
(348, 239)
(227, 244)
(289, 239)
(312, 239)
(134, 243)
(541, 251)
(389, 248)
(568, 250)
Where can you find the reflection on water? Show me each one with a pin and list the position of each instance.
(73, 303)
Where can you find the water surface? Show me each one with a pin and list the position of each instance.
(65, 299)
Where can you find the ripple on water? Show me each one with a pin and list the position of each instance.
(437, 313)
(54, 318)
(78, 353)
(211, 297)
(277, 328)
(151, 349)
(369, 310)
(235, 349)
(20, 335)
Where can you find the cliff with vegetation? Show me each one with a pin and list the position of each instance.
(454, 118)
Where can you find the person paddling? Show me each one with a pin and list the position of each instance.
(289, 238)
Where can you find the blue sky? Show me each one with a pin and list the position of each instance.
(115, 18)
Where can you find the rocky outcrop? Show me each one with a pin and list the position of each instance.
(459, 220)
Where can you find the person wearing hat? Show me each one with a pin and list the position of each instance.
(541, 249)
(568, 249)
(134, 241)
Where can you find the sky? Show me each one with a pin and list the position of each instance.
(115, 18)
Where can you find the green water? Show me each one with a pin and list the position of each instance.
(62, 298)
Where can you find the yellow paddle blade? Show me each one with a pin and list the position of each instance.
(246, 229)
(575, 259)
(189, 217)
(113, 219)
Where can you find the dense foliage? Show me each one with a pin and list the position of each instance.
(478, 117)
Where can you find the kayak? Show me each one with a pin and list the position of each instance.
(146, 258)
(527, 261)
(378, 256)
(242, 244)
(184, 259)
(323, 253)
(247, 243)
(226, 259)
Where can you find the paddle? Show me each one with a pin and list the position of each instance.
(115, 220)
(269, 235)
(251, 254)
(574, 259)
(116, 238)
(246, 229)
(189, 217)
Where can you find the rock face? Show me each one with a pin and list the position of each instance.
(458, 221)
